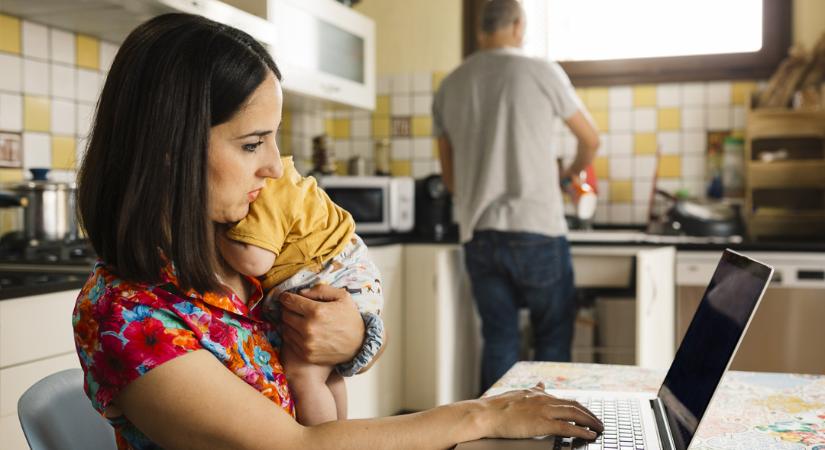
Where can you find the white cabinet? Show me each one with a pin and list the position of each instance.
(441, 336)
(377, 392)
(36, 340)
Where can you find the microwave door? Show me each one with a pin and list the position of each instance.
(369, 206)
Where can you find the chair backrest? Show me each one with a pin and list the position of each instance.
(56, 414)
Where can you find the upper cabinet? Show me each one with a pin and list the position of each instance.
(325, 50)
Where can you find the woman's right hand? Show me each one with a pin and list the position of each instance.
(533, 412)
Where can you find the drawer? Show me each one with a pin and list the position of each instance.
(15, 380)
(36, 327)
(11, 435)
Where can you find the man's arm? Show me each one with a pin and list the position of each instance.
(445, 154)
(588, 143)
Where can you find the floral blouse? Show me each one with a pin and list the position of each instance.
(123, 330)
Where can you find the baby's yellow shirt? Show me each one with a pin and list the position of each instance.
(295, 219)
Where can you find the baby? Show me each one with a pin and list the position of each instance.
(295, 237)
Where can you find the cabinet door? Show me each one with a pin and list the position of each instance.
(36, 327)
(655, 307)
(378, 391)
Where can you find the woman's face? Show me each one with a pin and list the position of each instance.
(242, 153)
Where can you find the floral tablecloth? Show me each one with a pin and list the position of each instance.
(751, 410)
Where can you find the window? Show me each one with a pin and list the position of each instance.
(604, 42)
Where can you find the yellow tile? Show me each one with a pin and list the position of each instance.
(600, 119)
(286, 121)
(285, 145)
(645, 143)
(400, 168)
(602, 168)
(436, 152)
(63, 152)
(382, 105)
(329, 127)
(340, 128)
(88, 52)
(438, 77)
(11, 175)
(381, 127)
(341, 169)
(36, 115)
(9, 34)
(670, 119)
(621, 192)
(644, 95)
(422, 126)
(740, 92)
(597, 98)
(670, 166)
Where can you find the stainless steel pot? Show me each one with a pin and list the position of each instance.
(48, 209)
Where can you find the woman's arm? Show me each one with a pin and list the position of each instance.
(194, 402)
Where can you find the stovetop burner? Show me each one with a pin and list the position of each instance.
(14, 248)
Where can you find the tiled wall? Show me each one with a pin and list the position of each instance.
(49, 83)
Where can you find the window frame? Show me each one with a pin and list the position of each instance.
(776, 40)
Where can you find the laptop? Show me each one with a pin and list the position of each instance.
(669, 419)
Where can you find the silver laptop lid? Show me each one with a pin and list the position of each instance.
(710, 342)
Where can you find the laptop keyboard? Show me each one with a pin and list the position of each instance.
(622, 426)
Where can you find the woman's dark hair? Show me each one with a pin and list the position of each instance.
(142, 187)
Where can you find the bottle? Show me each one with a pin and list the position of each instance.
(582, 194)
(323, 162)
(382, 156)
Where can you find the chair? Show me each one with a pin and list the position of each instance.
(56, 414)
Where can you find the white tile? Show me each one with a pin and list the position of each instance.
(422, 82)
(88, 85)
(621, 213)
(670, 142)
(435, 166)
(621, 143)
(719, 93)
(670, 185)
(62, 176)
(739, 117)
(620, 97)
(401, 148)
(620, 167)
(421, 168)
(693, 167)
(603, 190)
(641, 191)
(35, 77)
(401, 83)
(85, 114)
(601, 216)
(693, 94)
(693, 118)
(362, 148)
(694, 142)
(620, 120)
(604, 144)
(720, 118)
(361, 128)
(422, 104)
(695, 188)
(11, 77)
(640, 213)
(37, 150)
(64, 116)
(342, 114)
(63, 46)
(64, 82)
(382, 85)
(11, 112)
(644, 120)
(80, 149)
(644, 167)
(422, 148)
(35, 40)
(400, 105)
(342, 150)
(668, 95)
(107, 55)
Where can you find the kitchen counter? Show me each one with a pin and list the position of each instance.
(751, 410)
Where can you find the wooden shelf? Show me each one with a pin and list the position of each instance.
(783, 123)
(783, 174)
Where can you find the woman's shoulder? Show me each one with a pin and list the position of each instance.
(104, 285)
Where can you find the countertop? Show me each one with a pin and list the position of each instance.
(751, 410)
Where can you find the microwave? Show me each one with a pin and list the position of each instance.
(378, 204)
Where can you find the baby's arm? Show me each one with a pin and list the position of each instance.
(245, 258)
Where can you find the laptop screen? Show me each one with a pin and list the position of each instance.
(710, 341)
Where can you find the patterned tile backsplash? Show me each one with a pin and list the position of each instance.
(50, 80)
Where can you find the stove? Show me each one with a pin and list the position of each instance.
(14, 248)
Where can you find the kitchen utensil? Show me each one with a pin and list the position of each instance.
(695, 218)
(357, 165)
(49, 207)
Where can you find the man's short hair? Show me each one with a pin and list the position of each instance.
(498, 14)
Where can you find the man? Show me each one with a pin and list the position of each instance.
(493, 117)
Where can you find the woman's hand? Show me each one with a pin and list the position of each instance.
(322, 324)
(533, 412)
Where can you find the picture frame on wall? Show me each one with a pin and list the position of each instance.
(11, 153)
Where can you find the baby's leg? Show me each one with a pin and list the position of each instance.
(336, 385)
(315, 402)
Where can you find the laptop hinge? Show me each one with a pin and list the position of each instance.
(662, 426)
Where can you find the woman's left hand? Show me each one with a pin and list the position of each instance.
(322, 324)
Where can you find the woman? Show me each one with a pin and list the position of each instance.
(183, 139)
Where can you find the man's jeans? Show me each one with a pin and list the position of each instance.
(508, 271)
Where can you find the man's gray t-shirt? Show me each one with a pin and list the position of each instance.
(497, 111)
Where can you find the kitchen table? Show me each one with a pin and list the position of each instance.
(751, 410)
